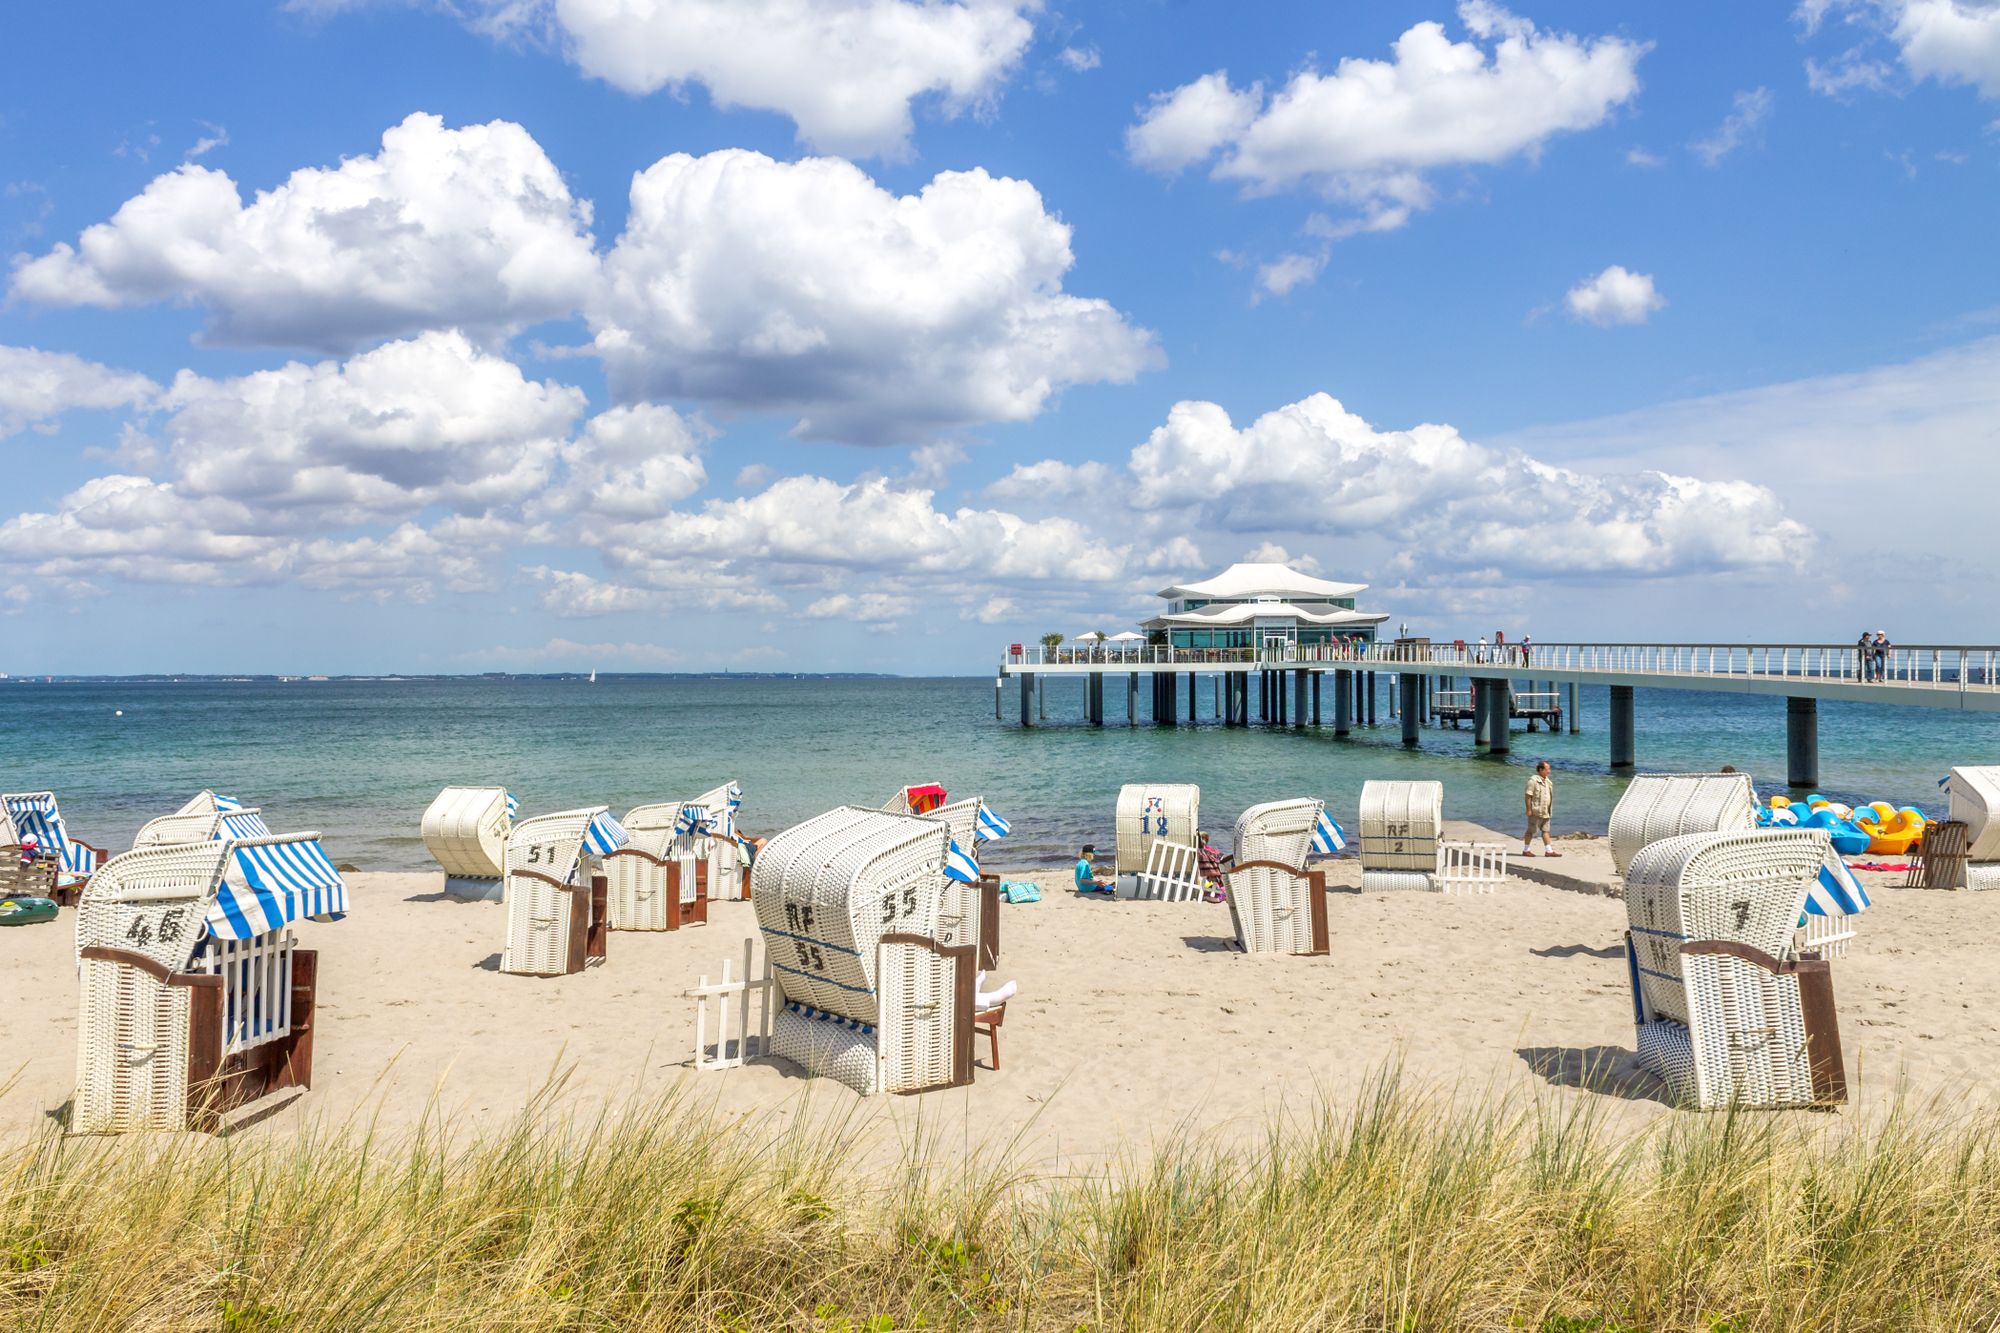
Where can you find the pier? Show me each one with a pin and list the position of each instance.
(1413, 681)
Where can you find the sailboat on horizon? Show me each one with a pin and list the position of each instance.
(593, 675)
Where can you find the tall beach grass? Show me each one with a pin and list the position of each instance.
(1404, 1211)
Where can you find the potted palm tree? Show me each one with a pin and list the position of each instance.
(1050, 642)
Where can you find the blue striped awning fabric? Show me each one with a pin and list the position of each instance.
(1835, 892)
(959, 865)
(241, 826)
(1328, 837)
(990, 825)
(35, 815)
(280, 882)
(822, 1016)
(604, 834)
(225, 802)
(513, 806)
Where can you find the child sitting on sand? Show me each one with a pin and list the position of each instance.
(1086, 880)
(1214, 889)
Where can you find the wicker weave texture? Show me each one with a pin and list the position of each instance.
(1401, 826)
(1666, 805)
(725, 867)
(958, 915)
(1972, 795)
(1748, 888)
(466, 830)
(640, 895)
(827, 890)
(538, 912)
(1397, 881)
(827, 1046)
(1147, 811)
(167, 830)
(1269, 907)
(915, 1034)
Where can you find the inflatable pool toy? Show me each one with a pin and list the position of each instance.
(25, 911)
(1890, 832)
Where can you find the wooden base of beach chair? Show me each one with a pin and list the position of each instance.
(987, 1022)
(216, 1083)
(989, 922)
(589, 922)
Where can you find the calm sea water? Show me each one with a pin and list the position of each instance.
(360, 760)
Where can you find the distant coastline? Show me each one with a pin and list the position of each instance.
(272, 678)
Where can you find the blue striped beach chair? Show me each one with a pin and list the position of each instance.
(1729, 1010)
(196, 998)
(848, 903)
(69, 861)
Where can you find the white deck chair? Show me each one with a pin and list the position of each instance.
(1666, 805)
(848, 903)
(465, 830)
(1278, 906)
(195, 996)
(1727, 1011)
(1149, 811)
(556, 910)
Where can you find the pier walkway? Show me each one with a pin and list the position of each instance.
(1424, 683)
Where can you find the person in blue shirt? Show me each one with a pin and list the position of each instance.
(1086, 880)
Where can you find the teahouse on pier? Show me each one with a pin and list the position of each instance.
(1266, 658)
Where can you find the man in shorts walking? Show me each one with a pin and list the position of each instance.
(1541, 798)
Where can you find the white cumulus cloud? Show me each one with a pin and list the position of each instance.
(807, 288)
(1615, 296)
(1748, 113)
(38, 386)
(1369, 132)
(471, 228)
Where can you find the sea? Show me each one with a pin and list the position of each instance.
(359, 760)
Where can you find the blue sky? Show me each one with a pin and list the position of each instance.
(871, 334)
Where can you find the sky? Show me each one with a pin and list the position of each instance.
(360, 336)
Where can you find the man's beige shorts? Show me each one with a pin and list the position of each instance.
(1537, 824)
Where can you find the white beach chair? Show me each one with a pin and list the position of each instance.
(1666, 805)
(1972, 796)
(1277, 905)
(653, 885)
(971, 910)
(556, 898)
(195, 996)
(702, 838)
(465, 830)
(70, 861)
(1149, 811)
(849, 904)
(1728, 1011)
(1403, 844)
(216, 823)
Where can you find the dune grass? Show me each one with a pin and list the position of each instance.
(1388, 1214)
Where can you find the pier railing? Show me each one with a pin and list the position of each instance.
(1917, 666)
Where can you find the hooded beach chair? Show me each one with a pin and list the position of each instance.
(1972, 796)
(1277, 905)
(701, 836)
(1729, 1010)
(555, 895)
(918, 799)
(849, 904)
(1666, 805)
(217, 822)
(1403, 844)
(1150, 812)
(465, 829)
(195, 996)
(35, 816)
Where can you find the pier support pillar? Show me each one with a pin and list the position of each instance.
(1315, 676)
(1410, 715)
(1343, 704)
(1622, 749)
(1574, 713)
(1371, 698)
(1482, 703)
(1299, 699)
(1041, 699)
(1499, 712)
(1194, 699)
(1027, 698)
(1802, 742)
(1131, 698)
(1096, 699)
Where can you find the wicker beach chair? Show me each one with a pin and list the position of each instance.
(1278, 906)
(465, 830)
(1666, 805)
(195, 996)
(556, 897)
(971, 910)
(216, 823)
(69, 862)
(654, 884)
(1728, 1011)
(1147, 812)
(849, 904)
(1972, 796)
(1402, 834)
(917, 799)
(703, 839)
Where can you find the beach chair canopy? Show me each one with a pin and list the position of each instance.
(1666, 805)
(1151, 811)
(269, 882)
(711, 814)
(918, 799)
(1972, 795)
(229, 889)
(465, 830)
(34, 814)
(1402, 824)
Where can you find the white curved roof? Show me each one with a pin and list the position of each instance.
(1252, 580)
(1242, 613)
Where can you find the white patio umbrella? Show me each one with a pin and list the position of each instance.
(1128, 637)
(1090, 636)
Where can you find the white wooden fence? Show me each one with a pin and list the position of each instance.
(1471, 867)
(1172, 873)
(256, 988)
(752, 988)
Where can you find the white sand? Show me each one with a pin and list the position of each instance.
(1132, 1017)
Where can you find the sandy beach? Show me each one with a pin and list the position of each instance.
(1133, 1019)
